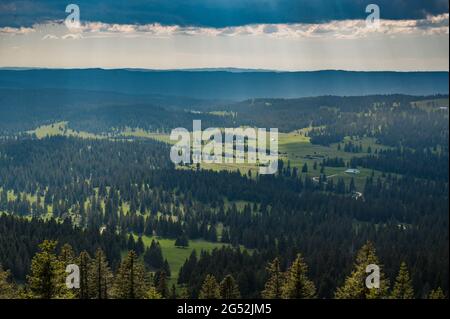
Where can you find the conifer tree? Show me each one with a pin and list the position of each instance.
(188, 268)
(305, 168)
(84, 263)
(212, 233)
(184, 293)
(140, 248)
(166, 268)
(173, 292)
(47, 276)
(273, 287)
(225, 236)
(229, 288)
(153, 257)
(355, 285)
(297, 285)
(210, 288)
(182, 241)
(161, 284)
(153, 293)
(130, 281)
(403, 288)
(99, 277)
(8, 289)
(131, 245)
(436, 294)
(66, 255)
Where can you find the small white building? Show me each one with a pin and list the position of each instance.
(353, 171)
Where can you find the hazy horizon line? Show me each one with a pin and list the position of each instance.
(213, 69)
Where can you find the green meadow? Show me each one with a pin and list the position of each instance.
(176, 256)
(294, 148)
(61, 129)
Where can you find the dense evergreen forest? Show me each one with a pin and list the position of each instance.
(94, 201)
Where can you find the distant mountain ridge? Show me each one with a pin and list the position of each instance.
(229, 84)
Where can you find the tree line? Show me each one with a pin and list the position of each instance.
(47, 279)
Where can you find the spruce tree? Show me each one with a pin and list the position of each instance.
(173, 292)
(84, 263)
(297, 285)
(166, 268)
(225, 236)
(229, 288)
(273, 287)
(184, 293)
(131, 245)
(403, 288)
(130, 281)
(305, 168)
(212, 234)
(355, 285)
(47, 278)
(99, 277)
(140, 248)
(152, 293)
(182, 241)
(161, 283)
(8, 289)
(210, 288)
(188, 268)
(153, 257)
(436, 294)
(66, 255)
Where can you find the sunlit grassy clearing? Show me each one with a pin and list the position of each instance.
(176, 256)
(61, 129)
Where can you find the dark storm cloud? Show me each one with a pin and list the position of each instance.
(213, 13)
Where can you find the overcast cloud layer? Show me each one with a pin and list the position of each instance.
(214, 13)
(345, 29)
(268, 34)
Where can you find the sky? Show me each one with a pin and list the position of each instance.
(291, 35)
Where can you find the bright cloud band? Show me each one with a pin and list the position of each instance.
(346, 29)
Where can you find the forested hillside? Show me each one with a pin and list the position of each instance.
(229, 85)
(118, 200)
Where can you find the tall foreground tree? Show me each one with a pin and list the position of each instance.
(47, 276)
(160, 283)
(229, 288)
(403, 288)
(84, 262)
(8, 290)
(297, 284)
(66, 255)
(355, 285)
(131, 281)
(274, 285)
(99, 277)
(210, 288)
